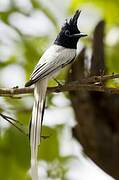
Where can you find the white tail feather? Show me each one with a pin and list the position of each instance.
(35, 131)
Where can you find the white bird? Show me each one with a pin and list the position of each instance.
(60, 54)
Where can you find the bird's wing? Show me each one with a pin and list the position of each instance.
(51, 62)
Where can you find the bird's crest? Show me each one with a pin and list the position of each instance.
(72, 23)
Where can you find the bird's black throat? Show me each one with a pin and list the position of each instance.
(65, 41)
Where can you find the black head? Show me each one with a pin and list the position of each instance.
(70, 34)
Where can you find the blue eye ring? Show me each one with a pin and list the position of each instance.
(67, 33)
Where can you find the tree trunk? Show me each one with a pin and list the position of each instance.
(97, 113)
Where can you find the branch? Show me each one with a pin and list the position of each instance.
(88, 84)
(96, 79)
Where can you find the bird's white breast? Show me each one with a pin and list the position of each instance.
(57, 53)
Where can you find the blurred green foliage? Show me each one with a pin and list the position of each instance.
(109, 8)
(14, 155)
(14, 147)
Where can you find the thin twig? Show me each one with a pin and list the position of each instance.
(10, 119)
(95, 79)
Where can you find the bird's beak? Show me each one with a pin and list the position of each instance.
(79, 35)
(82, 35)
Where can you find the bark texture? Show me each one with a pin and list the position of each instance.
(97, 113)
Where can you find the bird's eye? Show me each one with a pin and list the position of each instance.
(67, 33)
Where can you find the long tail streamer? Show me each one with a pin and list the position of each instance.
(36, 124)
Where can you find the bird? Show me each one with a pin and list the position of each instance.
(61, 53)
